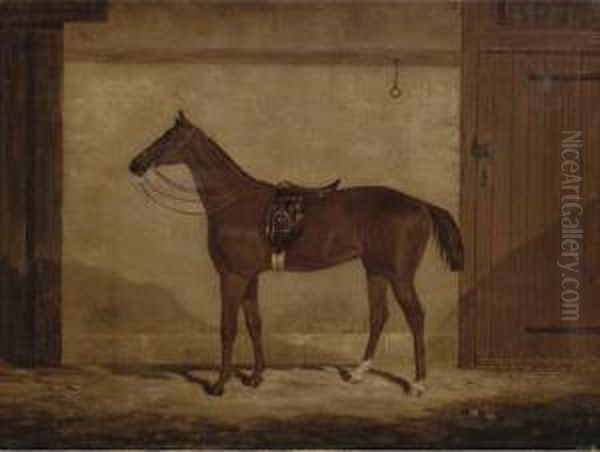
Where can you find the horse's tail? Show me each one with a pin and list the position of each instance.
(447, 237)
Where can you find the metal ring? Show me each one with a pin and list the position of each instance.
(395, 92)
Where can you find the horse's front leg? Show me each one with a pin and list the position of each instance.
(233, 289)
(253, 324)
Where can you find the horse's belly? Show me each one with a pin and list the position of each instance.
(315, 250)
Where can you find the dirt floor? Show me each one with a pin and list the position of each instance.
(159, 406)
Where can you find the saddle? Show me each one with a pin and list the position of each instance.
(285, 216)
(321, 191)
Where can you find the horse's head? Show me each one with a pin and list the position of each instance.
(168, 149)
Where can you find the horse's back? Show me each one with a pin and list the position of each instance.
(393, 228)
(379, 201)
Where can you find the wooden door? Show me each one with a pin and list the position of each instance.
(535, 168)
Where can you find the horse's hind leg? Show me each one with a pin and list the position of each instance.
(378, 315)
(407, 298)
(253, 324)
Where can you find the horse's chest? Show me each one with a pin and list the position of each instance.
(237, 247)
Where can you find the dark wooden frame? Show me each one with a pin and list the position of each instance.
(31, 165)
(482, 32)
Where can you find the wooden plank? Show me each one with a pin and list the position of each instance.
(563, 106)
(589, 306)
(547, 143)
(572, 120)
(293, 4)
(519, 238)
(19, 13)
(535, 363)
(4, 58)
(573, 330)
(385, 57)
(500, 40)
(484, 205)
(467, 280)
(17, 139)
(535, 204)
(545, 245)
(502, 326)
(45, 201)
(32, 224)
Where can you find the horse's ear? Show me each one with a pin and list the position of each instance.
(181, 117)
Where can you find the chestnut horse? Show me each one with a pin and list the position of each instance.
(387, 230)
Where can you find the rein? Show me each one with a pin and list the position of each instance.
(146, 192)
(160, 191)
(147, 187)
(173, 183)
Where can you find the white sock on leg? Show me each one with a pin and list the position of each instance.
(359, 371)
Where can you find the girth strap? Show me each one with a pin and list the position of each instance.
(278, 261)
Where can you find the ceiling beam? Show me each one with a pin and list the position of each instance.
(45, 13)
(261, 56)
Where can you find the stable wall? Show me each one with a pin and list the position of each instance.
(296, 92)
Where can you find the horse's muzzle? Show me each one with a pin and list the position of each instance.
(136, 168)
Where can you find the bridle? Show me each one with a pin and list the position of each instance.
(153, 192)
(147, 189)
(174, 184)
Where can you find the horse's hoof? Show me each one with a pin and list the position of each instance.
(417, 389)
(345, 374)
(217, 390)
(253, 380)
(357, 374)
(355, 378)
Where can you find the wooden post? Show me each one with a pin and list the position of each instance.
(31, 165)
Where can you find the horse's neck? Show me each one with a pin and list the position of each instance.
(219, 180)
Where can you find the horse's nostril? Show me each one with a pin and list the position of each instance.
(134, 168)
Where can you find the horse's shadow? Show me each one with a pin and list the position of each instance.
(204, 383)
(208, 386)
(344, 373)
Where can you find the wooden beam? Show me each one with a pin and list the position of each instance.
(45, 202)
(39, 13)
(14, 73)
(31, 148)
(499, 40)
(293, 3)
(4, 217)
(252, 56)
(472, 18)
(31, 161)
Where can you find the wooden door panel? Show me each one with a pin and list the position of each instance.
(590, 308)
(501, 246)
(562, 111)
(484, 200)
(515, 269)
(521, 118)
(534, 275)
